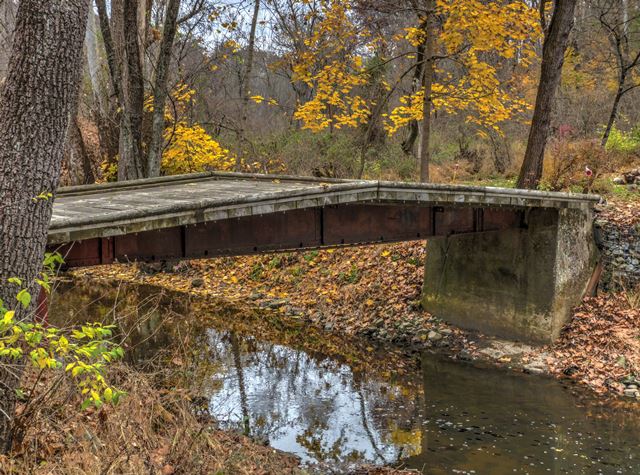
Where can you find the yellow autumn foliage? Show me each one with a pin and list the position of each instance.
(191, 149)
(332, 71)
(472, 31)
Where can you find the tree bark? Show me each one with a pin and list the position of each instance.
(7, 20)
(36, 102)
(555, 45)
(77, 169)
(160, 88)
(427, 83)
(131, 163)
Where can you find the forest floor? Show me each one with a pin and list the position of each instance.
(374, 291)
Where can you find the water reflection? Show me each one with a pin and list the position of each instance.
(345, 407)
(470, 421)
(319, 409)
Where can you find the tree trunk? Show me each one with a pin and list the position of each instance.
(120, 37)
(414, 127)
(160, 88)
(131, 164)
(246, 79)
(614, 112)
(77, 169)
(427, 83)
(115, 72)
(45, 63)
(109, 126)
(555, 45)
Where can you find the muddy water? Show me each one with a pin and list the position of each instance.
(337, 403)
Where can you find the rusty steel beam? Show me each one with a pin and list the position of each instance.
(329, 226)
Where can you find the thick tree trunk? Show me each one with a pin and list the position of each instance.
(160, 88)
(131, 164)
(427, 83)
(555, 45)
(35, 105)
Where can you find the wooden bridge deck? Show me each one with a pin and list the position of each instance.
(227, 213)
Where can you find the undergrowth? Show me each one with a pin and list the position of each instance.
(152, 430)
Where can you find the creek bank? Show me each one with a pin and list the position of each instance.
(151, 430)
(344, 292)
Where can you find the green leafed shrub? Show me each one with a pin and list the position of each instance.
(624, 142)
(82, 354)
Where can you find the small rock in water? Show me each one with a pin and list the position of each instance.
(632, 386)
(446, 331)
(197, 282)
(434, 336)
(631, 392)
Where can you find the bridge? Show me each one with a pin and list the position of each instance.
(505, 261)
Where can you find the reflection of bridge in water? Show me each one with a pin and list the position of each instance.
(520, 258)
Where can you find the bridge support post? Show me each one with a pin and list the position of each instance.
(517, 283)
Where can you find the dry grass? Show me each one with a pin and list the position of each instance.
(150, 431)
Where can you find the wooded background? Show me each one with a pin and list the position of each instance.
(334, 87)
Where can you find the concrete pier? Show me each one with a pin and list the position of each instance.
(516, 283)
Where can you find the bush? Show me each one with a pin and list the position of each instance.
(306, 153)
(624, 142)
(565, 168)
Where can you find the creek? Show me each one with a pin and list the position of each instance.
(339, 402)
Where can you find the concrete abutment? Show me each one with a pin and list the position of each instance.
(518, 283)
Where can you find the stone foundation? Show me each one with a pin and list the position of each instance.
(519, 284)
